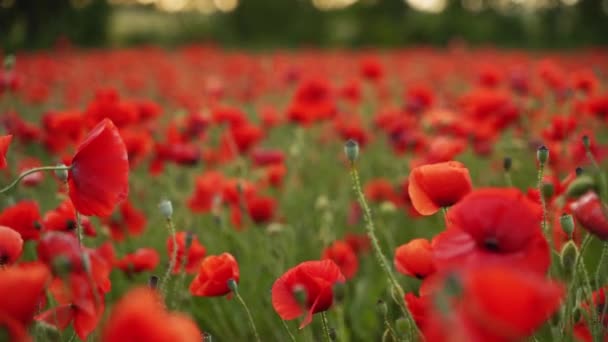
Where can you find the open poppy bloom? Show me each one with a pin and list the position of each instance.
(213, 275)
(22, 217)
(99, 174)
(415, 258)
(5, 141)
(63, 219)
(11, 246)
(194, 254)
(261, 209)
(434, 186)
(143, 259)
(498, 226)
(592, 214)
(126, 220)
(344, 256)
(140, 316)
(316, 280)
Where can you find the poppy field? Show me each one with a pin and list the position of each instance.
(203, 194)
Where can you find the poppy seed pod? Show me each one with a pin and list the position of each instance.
(61, 174)
(382, 308)
(351, 149)
(567, 223)
(542, 154)
(166, 209)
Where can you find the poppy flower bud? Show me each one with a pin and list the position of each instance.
(542, 154)
(586, 142)
(567, 223)
(153, 282)
(382, 308)
(61, 174)
(402, 326)
(580, 186)
(351, 149)
(166, 209)
(547, 190)
(507, 163)
(232, 285)
(568, 257)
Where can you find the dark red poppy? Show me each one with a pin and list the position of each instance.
(415, 258)
(11, 246)
(343, 255)
(213, 275)
(592, 214)
(143, 259)
(5, 141)
(264, 157)
(194, 254)
(316, 280)
(493, 226)
(63, 219)
(434, 186)
(261, 209)
(99, 174)
(22, 217)
(140, 316)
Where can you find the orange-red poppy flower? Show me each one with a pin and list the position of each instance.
(63, 219)
(99, 174)
(5, 141)
(316, 280)
(343, 255)
(22, 217)
(140, 316)
(22, 290)
(213, 275)
(592, 214)
(194, 254)
(415, 258)
(11, 246)
(434, 186)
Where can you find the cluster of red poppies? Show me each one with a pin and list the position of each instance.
(504, 263)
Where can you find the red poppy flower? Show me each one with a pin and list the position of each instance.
(63, 219)
(99, 174)
(592, 214)
(194, 254)
(213, 275)
(207, 187)
(126, 220)
(261, 157)
(275, 175)
(143, 259)
(438, 185)
(261, 209)
(316, 279)
(5, 141)
(380, 190)
(359, 243)
(11, 246)
(140, 316)
(21, 291)
(595, 308)
(415, 258)
(343, 255)
(493, 226)
(22, 217)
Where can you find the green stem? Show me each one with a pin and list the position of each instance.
(390, 329)
(251, 323)
(376, 246)
(172, 261)
(543, 203)
(78, 228)
(325, 327)
(601, 263)
(291, 337)
(34, 170)
(602, 176)
(508, 179)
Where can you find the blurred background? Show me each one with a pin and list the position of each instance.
(262, 24)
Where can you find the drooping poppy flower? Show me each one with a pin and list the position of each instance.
(5, 141)
(140, 316)
(11, 246)
(143, 259)
(63, 219)
(22, 217)
(415, 258)
(489, 304)
(213, 275)
(99, 174)
(261, 209)
(592, 214)
(193, 254)
(493, 226)
(316, 280)
(434, 186)
(343, 255)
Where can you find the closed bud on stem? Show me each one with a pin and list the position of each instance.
(566, 221)
(382, 308)
(586, 142)
(507, 163)
(568, 258)
(61, 174)
(153, 282)
(166, 209)
(351, 149)
(402, 326)
(232, 285)
(581, 185)
(542, 155)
